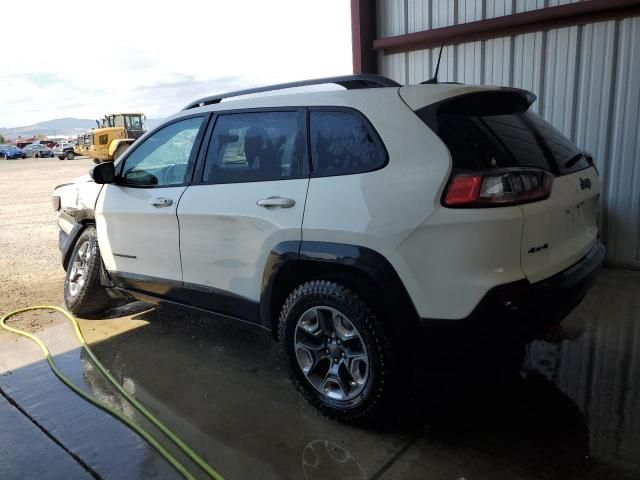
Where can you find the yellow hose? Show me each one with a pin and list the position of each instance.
(137, 405)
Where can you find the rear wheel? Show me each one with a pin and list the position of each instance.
(70, 155)
(339, 357)
(83, 294)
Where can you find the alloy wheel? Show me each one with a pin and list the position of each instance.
(79, 269)
(331, 353)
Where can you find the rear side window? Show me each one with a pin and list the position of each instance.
(253, 147)
(500, 132)
(343, 143)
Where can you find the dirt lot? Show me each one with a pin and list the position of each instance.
(30, 270)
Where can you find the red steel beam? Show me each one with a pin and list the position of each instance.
(363, 33)
(518, 23)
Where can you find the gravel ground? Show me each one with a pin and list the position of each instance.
(30, 269)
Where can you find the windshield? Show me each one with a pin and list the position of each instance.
(133, 122)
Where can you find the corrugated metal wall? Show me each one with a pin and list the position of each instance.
(587, 79)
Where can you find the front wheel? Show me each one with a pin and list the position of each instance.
(339, 356)
(60, 157)
(83, 294)
(70, 155)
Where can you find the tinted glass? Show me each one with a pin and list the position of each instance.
(487, 142)
(133, 122)
(519, 139)
(163, 157)
(250, 147)
(343, 143)
(567, 155)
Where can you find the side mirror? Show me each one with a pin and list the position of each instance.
(103, 173)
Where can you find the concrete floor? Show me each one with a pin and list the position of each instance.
(571, 410)
(567, 407)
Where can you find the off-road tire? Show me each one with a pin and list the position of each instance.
(70, 155)
(369, 405)
(61, 157)
(91, 297)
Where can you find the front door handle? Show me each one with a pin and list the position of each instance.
(161, 202)
(276, 202)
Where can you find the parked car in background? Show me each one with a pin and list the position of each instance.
(38, 150)
(64, 150)
(11, 152)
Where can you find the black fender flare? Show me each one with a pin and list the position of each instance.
(294, 262)
(66, 241)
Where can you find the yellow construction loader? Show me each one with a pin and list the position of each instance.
(114, 134)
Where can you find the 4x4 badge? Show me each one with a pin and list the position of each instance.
(585, 183)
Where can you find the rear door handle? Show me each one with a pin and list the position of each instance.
(272, 202)
(161, 202)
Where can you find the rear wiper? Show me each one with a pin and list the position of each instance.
(573, 160)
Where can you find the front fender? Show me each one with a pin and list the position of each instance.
(113, 146)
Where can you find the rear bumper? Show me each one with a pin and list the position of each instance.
(528, 309)
(549, 301)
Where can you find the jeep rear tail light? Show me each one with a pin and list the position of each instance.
(497, 188)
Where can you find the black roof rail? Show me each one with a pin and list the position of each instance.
(350, 82)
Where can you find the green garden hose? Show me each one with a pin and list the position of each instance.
(137, 405)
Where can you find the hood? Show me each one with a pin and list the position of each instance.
(81, 179)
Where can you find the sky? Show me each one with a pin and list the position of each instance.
(89, 58)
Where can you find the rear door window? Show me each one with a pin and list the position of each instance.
(342, 143)
(254, 147)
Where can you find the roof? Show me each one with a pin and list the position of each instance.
(349, 82)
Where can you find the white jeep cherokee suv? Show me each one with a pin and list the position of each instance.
(346, 222)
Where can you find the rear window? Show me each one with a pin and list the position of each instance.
(495, 130)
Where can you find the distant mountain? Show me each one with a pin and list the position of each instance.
(58, 127)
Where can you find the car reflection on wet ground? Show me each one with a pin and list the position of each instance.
(565, 407)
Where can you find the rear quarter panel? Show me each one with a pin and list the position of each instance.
(379, 209)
